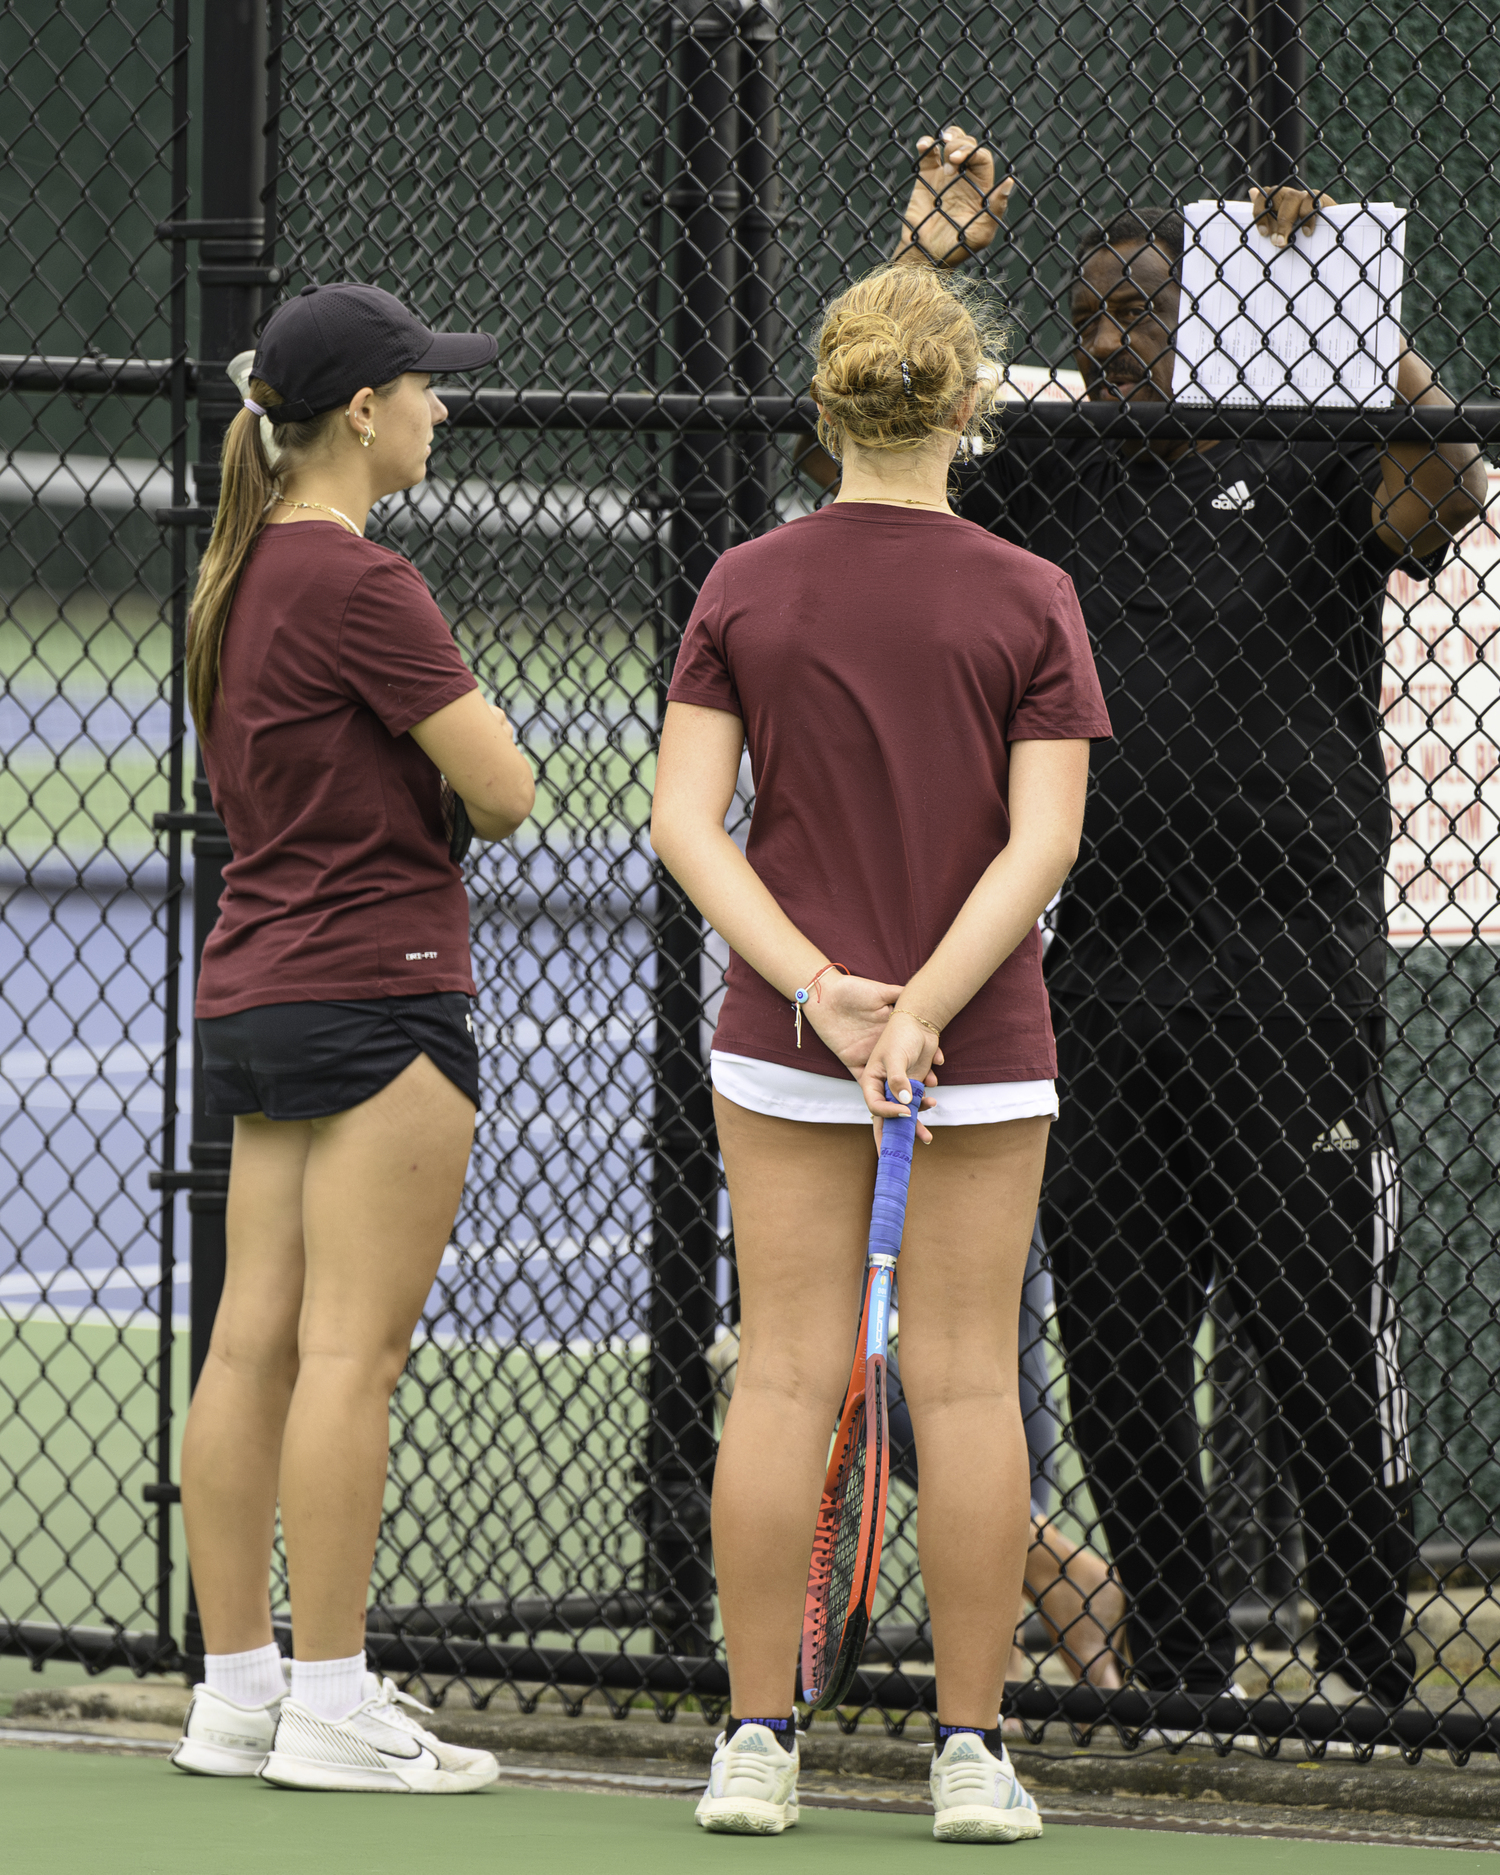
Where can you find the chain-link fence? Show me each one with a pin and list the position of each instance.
(1263, 1338)
(95, 156)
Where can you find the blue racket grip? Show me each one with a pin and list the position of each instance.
(892, 1176)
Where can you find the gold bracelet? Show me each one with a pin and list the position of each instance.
(922, 1019)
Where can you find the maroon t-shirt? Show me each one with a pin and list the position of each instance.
(883, 661)
(341, 886)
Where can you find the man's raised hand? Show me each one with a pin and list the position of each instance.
(1286, 212)
(956, 205)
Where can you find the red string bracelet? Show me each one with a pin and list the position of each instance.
(800, 996)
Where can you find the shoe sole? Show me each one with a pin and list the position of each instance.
(290, 1773)
(744, 1816)
(202, 1760)
(979, 1823)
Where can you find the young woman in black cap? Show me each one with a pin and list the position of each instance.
(333, 1018)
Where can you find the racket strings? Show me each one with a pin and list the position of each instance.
(857, 1550)
(846, 1548)
(847, 1542)
(832, 1586)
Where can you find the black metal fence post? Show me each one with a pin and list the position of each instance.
(713, 203)
(1268, 66)
(163, 1491)
(757, 228)
(1285, 134)
(231, 279)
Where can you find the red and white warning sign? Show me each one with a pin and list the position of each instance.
(1440, 710)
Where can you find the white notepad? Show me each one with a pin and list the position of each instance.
(1316, 322)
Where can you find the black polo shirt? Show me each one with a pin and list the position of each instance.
(1237, 830)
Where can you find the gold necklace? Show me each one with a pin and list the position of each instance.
(323, 508)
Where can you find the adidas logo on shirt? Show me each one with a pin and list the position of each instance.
(1338, 1138)
(1237, 499)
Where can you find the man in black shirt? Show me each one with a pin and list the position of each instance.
(1218, 968)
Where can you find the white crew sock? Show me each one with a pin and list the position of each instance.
(330, 1688)
(249, 1679)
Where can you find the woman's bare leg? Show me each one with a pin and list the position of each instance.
(969, 1222)
(231, 1449)
(379, 1195)
(801, 1196)
(1081, 1604)
(335, 1228)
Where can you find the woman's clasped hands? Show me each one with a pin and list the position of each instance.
(857, 1018)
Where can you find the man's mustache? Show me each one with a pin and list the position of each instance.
(1096, 382)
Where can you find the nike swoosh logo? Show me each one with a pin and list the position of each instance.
(409, 1757)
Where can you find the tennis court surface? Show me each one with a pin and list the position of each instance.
(64, 1811)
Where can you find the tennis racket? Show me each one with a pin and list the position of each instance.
(456, 824)
(851, 1519)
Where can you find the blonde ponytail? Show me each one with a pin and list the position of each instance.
(899, 354)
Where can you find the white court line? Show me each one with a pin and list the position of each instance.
(48, 1097)
(66, 1280)
(140, 1321)
(77, 1060)
(473, 1260)
(22, 1735)
(36, 1295)
(615, 1779)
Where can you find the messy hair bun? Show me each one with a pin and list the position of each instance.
(899, 353)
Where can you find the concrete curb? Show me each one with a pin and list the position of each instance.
(1386, 1785)
(685, 1742)
(144, 1714)
(1202, 1776)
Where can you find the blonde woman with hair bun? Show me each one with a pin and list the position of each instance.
(918, 698)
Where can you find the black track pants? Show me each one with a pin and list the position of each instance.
(1195, 1149)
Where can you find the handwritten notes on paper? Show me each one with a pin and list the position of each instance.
(1315, 322)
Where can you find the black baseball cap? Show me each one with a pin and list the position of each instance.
(330, 341)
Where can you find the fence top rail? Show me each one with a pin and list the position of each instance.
(727, 411)
(673, 412)
(131, 377)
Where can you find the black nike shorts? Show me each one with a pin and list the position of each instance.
(304, 1061)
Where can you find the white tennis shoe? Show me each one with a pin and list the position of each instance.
(977, 1797)
(222, 1739)
(752, 1785)
(378, 1748)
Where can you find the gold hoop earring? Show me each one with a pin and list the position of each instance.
(367, 437)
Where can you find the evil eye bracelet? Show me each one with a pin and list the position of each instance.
(799, 997)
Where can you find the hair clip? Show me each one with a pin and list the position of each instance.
(906, 376)
(253, 407)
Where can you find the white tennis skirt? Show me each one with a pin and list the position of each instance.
(794, 1094)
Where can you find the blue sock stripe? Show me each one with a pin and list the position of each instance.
(989, 1735)
(783, 1730)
